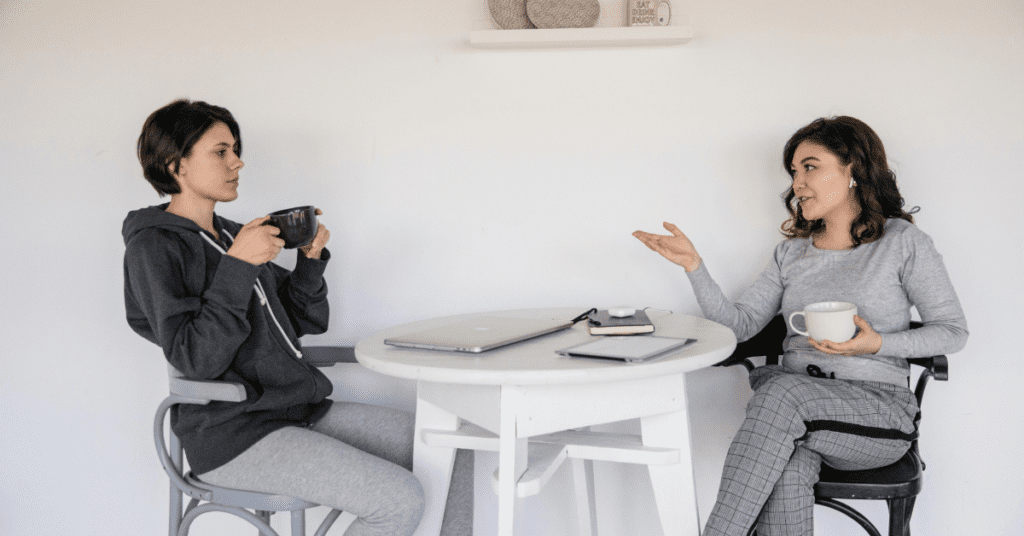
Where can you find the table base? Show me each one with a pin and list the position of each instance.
(533, 441)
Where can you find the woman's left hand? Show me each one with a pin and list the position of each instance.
(312, 251)
(868, 341)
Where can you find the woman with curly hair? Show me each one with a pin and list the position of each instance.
(846, 404)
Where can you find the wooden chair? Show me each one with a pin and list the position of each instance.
(898, 484)
(208, 498)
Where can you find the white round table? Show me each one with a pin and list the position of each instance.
(532, 406)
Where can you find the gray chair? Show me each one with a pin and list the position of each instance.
(208, 498)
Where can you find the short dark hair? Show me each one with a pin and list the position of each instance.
(852, 142)
(169, 134)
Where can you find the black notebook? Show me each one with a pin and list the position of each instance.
(602, 323)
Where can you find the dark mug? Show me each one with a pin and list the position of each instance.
(298, 225)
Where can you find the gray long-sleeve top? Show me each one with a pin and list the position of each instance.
(883, 279)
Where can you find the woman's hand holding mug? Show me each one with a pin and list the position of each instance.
(313, 250)
(831, 327)
(867, 341)
(257, 243)
(676, 248)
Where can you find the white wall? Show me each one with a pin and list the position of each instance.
(457, 180)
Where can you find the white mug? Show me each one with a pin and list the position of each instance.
(648, 12)
(831, 321)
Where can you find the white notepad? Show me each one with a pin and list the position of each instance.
(631, 349)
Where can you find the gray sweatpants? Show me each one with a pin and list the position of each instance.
(356, 458)
(773, 462)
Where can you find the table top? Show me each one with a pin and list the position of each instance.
(534, 361)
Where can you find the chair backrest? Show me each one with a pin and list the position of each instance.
(768, 343)
(202, 391)
(186, 391)
(325, 356)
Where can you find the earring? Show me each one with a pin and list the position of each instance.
(852, 182)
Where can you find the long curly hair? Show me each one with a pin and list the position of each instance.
(851, 141)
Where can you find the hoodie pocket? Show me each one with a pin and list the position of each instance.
(285, 382)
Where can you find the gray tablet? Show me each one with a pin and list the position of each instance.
(630, 348)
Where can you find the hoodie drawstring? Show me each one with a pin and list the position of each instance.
(260, 291)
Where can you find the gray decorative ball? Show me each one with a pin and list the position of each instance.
(563, 13)
(510, 14)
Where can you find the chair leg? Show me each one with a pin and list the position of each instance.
(176, 498)
(265, 516)
(175, 511)
(192, 504)
(299, 522)
(910, 512)
(899, 516)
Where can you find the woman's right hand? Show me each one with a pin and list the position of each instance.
(676, 248)
(257, 243)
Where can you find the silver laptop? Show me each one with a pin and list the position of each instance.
(479, 334)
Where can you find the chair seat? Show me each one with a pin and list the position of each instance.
(901, 479)
(250, 499)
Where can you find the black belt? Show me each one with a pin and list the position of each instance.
(857, 429)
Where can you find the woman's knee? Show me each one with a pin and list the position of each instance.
(803, 469)
(412, 501)
(401, 510)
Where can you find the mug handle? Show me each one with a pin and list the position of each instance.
(669, 5)
(801, 313)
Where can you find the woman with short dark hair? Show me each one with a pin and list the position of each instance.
(169, 135)
(204, 289)
(848, 240)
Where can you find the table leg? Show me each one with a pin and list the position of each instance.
(586, 507)
(512, 458)
(433, 465)
(674, 486)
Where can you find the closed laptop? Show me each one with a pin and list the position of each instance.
(479, 334)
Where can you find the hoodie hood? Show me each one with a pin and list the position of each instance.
(157, 216)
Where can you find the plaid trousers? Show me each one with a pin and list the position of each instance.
(774, 460)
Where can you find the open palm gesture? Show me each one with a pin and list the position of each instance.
(676, 248)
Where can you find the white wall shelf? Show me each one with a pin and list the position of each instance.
(582, 37)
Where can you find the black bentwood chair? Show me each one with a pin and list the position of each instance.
(898, 484)
(209, 498)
